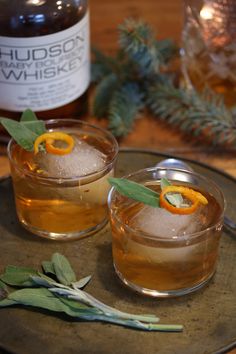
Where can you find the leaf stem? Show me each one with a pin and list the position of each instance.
(136, 324)
(88, 299)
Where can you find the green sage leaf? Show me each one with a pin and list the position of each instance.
(2, 285)
(135, 191)
(18, 276)
(20, 133)
(7, 302)
(39, 297)
(82, 282)
(48, 267)
(30, 120)
(175, 199)
(165, 183)
(3, 290)
(37, 127)
(43, 298)
(79, 306)
(28, 116)
(63, 269)
(43, 280)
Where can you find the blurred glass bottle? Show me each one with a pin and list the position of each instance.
(44, 57)
(209, 46)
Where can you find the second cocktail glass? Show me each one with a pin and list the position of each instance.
(162, 254)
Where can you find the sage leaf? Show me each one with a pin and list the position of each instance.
(165, 183)
(39, 297)
(28, 116)
(175, 199)
(43, 280)
(37, 127)
(43, 298)
(135, 191)
(20, 133)
(48, 267)
(82, 282)
(79, 306)
(30, 120)
(3, 290)
(18, 276)
(47, 282)
(7, 302)
(63, 269)
(2, 285)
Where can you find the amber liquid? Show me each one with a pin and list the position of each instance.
(199, 76)
(209, 47)
(20, 18)
(158, 264)
(55, 209)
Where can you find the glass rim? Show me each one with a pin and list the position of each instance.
(75, 177)
(150, 236)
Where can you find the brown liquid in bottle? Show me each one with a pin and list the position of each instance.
(34, 18)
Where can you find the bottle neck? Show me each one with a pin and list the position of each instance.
(30, 18)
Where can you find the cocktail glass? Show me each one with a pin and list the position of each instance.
(161, 254)
(64, 197)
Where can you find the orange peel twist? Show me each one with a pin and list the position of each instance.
(49, 139)
(192, 195)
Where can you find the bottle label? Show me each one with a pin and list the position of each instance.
(44, 72)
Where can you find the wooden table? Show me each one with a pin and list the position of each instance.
(165, 16)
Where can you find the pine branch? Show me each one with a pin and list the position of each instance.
(103, 65)
(138, 42)
(103, 95)
(199, 114)
(124, 107)
(135, 78)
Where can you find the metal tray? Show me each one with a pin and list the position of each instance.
(208, 316)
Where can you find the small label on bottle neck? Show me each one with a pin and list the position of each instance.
(45, 72)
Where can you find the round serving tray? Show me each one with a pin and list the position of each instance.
(208, 316)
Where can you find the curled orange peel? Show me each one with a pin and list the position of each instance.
(190, 194)
(49, 139)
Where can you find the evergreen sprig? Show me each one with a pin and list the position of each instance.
(124, 106)
(137, 77)
(199, 114)
(138, 41)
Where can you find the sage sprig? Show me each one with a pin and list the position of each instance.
(26, 131)
(63, 293)
(143, 194)
(135, 191)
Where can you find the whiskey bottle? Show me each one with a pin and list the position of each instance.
(44, 57)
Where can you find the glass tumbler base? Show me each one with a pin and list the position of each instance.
(161, 293)
(64, 236)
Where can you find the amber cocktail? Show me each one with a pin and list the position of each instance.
(159, 253)
(64, 197)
